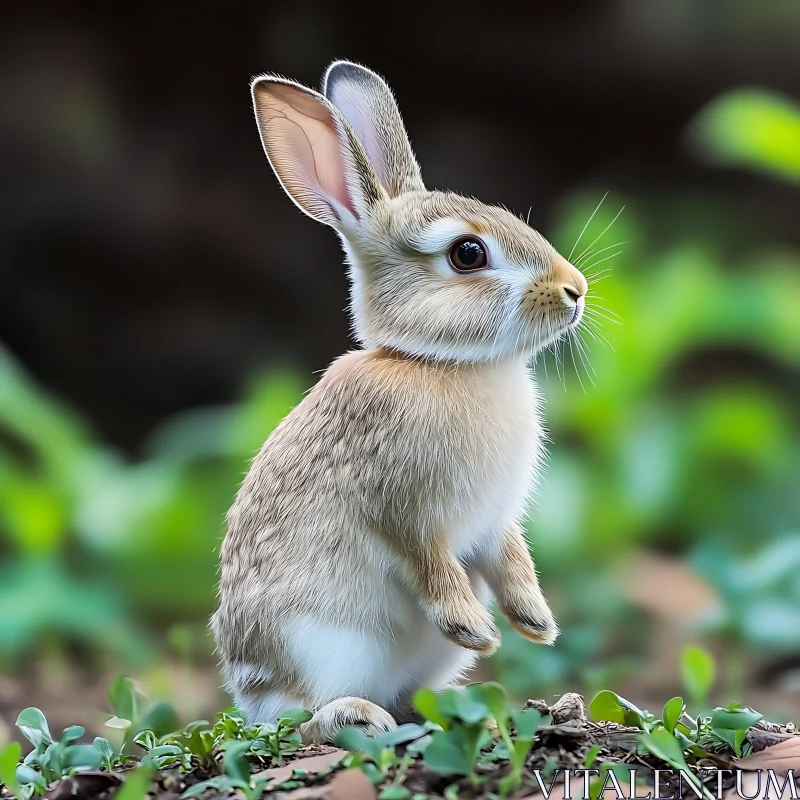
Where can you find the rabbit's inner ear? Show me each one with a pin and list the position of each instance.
(369, 106)
(313, 154)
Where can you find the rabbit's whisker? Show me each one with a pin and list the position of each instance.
(597, 307)
(605, 230)
(583, 347)
(604, 273)
(597, 263)
(594, 327)
(596, 313)
(569, 257)
(597, 252)
(590, 331)
(583, 356)
(570, 339)
(560, 362)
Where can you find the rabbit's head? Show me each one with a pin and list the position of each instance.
(434, 274)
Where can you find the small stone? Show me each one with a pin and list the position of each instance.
(568, 708)
(538, 705)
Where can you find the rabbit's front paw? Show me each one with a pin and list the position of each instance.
(472, 628)
(533, 619)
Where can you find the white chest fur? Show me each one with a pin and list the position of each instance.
(460, 449)
(497, 447)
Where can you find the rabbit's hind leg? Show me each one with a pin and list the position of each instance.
(259, 706)
(344, 712)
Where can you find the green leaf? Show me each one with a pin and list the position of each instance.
(698, 672)
(493, 697)
(419, 746)
(610, 707)
(426, 701)
(447, 753)
(80, 757)
(118, 723)
(34, 728)
(689, 746)
(124, 698)
(731, 725)
(9, 758)
(103, 746)
(372, 772)
(294, 718)
(222, 783)
(26, 774)
(50, 762)
(197, 738)
(451, 792)
(356, 741)
(463, 705)
(137, 784)
(395, 793)
(662, 744)
(591, 755)
(729, 737)
(72, 733)
(734, 719)
(407, 732)
(527, 722)
(234, 761)
(163, 754)
(672, 713)
(605, 707)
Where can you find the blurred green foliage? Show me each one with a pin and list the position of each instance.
(101, 551)
(682, 436)
(752, 128)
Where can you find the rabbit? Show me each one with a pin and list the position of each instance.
(385, 510)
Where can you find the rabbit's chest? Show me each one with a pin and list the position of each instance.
(468, 466)
(495, 461)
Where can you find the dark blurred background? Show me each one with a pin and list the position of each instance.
(162, 305)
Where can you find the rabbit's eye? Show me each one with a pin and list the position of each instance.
(467, 255)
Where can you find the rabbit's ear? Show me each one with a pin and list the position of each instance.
(369, 106)
(315, 154)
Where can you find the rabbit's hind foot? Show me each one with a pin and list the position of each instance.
(343, 712)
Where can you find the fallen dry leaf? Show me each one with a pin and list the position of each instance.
(780, 757)
(754, 779)
(762, 739)
(756, 786)
(352, 784)
(318, 763)
(310, 793)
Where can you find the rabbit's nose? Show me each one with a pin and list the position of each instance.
(572, 293)
(570, 280)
